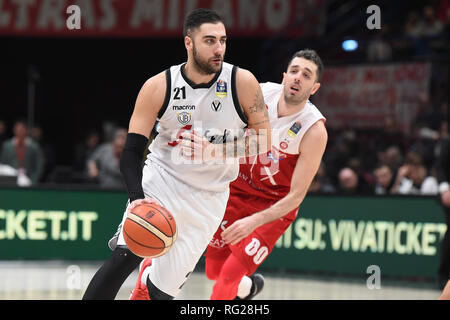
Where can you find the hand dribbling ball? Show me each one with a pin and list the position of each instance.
(149, 230)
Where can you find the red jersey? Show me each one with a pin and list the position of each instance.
(263, 181)
(270, 176)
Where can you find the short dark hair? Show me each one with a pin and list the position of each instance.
(198, 17)
(311, 55)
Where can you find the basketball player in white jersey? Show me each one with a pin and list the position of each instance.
(265, 198)
(206, 98)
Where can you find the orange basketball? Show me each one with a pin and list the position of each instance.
(149, 230)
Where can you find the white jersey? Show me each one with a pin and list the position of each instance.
(211, 109)
(288, 131)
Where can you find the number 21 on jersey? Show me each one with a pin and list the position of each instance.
(179, 91)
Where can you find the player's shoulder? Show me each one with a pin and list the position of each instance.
(156, 83)
(245, 77)
(315, 138)
(313, 112)
(163, 76)
(229, 66)
(318, 131)
(271, 87)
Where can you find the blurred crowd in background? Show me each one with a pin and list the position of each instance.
(355, 162)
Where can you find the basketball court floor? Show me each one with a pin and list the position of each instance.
(62, 280)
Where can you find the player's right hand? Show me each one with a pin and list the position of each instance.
(239, 229)
(138, 202)
(195, 146)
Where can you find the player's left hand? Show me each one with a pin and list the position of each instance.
(194, 146)
(238, 230)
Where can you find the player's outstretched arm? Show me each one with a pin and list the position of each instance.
(311, 150)
(148, 103)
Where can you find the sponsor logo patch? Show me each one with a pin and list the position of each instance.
(184, 117)
(292, 132)
(221, 89)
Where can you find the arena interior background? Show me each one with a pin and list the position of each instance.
(74, 82)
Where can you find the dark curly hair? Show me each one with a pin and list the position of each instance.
(311, 55)
(198, 17)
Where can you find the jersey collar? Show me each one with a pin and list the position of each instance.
(200, 85)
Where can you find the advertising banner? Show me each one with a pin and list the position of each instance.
(156, 18)
(51, 224)
(341, 235)
(346, 235)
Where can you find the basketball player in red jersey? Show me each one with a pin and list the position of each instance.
(265, 198)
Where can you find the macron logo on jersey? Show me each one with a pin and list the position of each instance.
(180, 108)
